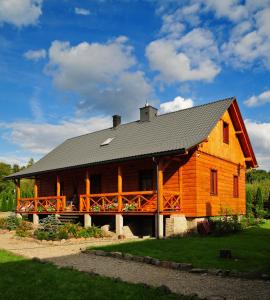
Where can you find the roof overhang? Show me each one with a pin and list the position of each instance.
(242, 135)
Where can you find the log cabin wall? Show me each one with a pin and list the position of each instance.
(229, 161)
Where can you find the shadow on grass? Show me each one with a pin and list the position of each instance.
(250, 249)
(28, 279)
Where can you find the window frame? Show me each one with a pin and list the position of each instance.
(213, 182)
(226, 132)
(235, 186)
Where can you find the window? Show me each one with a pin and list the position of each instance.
(95, 184)
(106, 142)
(225, 133)
(213, 182)
(146, 180)
(235, 187)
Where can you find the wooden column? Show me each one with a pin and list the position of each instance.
(87, 190)
(120, 187)
(35, 194)
(160, 186)
(58, 192)
(18, 192)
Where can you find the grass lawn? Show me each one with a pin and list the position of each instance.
(26, 279)
(250, 249)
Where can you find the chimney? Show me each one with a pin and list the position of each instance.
(147, 113)
(116, 121)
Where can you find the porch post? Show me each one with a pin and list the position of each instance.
(87, 190)
(159, 217)
(18, 195)
(58, 192)
(120, 188)
(119, 217)
(87, 220)
(35, 194)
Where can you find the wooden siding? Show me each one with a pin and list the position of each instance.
(216, 147)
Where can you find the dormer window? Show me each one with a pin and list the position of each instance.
(106, 142)
(225, 132)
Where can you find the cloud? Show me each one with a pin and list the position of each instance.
(35, 55)
(191, 57)
(39, 138)
(20, 12)
(258, 100)
(260, 138)
(14, 159)
(176, 104)
(103, 75)
(81, 11)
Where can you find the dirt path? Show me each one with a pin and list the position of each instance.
(179, 282)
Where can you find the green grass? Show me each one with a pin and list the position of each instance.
(250, 249)
(23, 279)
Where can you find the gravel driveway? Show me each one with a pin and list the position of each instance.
(178, 281)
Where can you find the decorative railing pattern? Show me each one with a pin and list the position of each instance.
(138, 201)
(42, 204)
(171, 201)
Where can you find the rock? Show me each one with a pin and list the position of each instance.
(63, 241)
(36, 259)
(121, 237)
(174, 265)
(155, 262)
(198, 271)
(165, 264)
(265, 277)
(215, 297)
(128, 256)
(215, 272)
(147, 259)
(116, 254)
(101, 253)
(184, 266)
(138, 258)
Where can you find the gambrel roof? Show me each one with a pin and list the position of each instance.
(168, 133)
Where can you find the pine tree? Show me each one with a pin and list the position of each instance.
(259, 204)
(4, 203)
(249, 204)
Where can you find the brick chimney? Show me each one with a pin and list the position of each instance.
(116, 121)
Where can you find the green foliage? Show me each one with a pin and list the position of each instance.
(24, 229)
(225, 225)
(10, 223)
(91, 232)
(259, 204)
(249, 203)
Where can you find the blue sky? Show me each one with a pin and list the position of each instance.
(67, 66)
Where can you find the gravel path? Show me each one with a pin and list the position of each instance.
(179, 282)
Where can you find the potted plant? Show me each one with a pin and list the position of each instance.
(96, 208)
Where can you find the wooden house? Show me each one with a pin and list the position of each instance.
(174, 168)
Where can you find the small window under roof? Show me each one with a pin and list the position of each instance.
(106, 142)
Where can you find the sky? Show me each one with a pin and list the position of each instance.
(67, 66)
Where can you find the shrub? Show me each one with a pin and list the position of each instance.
(72, 229)
(49, 226)
(225, 225)
(91, 232)
(249, 203)
(259, 204)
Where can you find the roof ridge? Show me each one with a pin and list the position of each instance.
(196, 106)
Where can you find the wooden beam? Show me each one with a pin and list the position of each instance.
(35, 189)
(58, 186)
(248, 159)
(119, 187)
(18, 189)
(239, 132)
(87, 190)
(160, 186)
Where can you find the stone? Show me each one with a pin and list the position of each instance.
(138, 258)
(215, 272)
(165, 289)
(174, 265)
(105, 228)
(155, 262)
(165, 264)
(101, 253)
(121, 237)
(119, 223)
(63, 241)
(87, 221)
(265, 277)
(185, 266)
(147, 259)
(116, 254)
(128, 256)
(176, 225)
(198, 271)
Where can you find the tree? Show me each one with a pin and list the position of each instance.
(259, 204)
(30, 163)
(249, 203)
(16, 168)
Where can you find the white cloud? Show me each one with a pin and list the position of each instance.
(260, 139)
(20, 12)
(191, 57)
(104, 75)
(35, 54)
(14, 159)
(40, 138)
(176, 104)
(258, 100)
(81, 11)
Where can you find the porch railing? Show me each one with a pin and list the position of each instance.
(139, 201)
(42, 204)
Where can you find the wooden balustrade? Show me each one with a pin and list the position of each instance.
(138, 201)
(51, 204)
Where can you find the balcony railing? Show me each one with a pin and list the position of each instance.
(49, 204)
(128, 202)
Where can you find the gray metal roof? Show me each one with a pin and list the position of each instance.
(180, 130)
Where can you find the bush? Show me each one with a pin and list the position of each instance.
(91, 232)
(259, 204)
(48, 228)
(225, 225)
(249, 203)
(72, 229)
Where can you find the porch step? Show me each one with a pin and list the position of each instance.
(69, 219)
